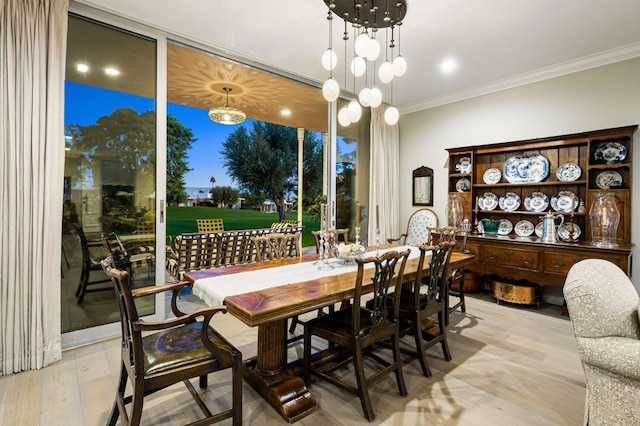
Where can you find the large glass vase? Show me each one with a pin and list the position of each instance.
(604, 217)
(455, 211)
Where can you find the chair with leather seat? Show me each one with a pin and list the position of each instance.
(424, 299)
(418, 226)
(156, 355)
(358, 329)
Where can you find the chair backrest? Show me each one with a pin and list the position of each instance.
(418, 227)
(132, 352)
(288, 223)
(210, 225)
(388, 275)
(199, 251)
(601, 300)
(276, 246)
(115, 248)
(433, 285)
(335, 236)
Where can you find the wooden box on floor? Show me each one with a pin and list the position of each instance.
(522, 294)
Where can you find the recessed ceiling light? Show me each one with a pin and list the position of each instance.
(448, 66)
(111, 71)
(286, 112)
(82, 68)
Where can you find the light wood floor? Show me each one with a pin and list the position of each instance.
(511, 366)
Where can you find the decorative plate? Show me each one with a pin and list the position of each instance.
(492, 176)
(563, 231)
(505, 227)
(539, 229)
(464, 165)
(463, 185)
(611, 152)
(526, 168)
(524, 228)
(608, 178)
(569, 172)
(536, 202)
(509, 202)
(488, 201)
(564, 201)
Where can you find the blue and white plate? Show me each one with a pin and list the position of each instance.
(608, 178)
(536, 202)
(463, 185)
(524, 228)
(464, 165)
(492, 176)
(611, 152)
(564, 201)
(569, 172)
(505, 227)
(526, 168)
(488, 201)
(509, 202)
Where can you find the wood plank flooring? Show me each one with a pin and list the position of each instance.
(511, 366)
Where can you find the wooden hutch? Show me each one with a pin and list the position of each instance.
(518, 257)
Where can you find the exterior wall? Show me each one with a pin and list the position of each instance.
(599, 98)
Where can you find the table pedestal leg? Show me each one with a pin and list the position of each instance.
(269, 376)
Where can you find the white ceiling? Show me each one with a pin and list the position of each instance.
(497, 43)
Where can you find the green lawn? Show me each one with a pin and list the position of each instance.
(183, 219)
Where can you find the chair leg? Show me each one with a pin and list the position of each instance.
(82, 285)
(237, 390)
(402, 387)
(122, 384)
(422, 356)
(294, 323)
(361, 381)
(137, 402)
(203, 381)
(443, 332)
(307, 356)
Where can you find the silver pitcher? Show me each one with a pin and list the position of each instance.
(549, 230)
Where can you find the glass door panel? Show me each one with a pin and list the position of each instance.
(110, 169)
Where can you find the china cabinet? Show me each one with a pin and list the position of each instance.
(520, 182)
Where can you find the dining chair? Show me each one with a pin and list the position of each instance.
(358, 328)
(276, 245)
(455, 276)
(424, 299)
(159, 354)
(129, 259)
(417, 228)
(89, 264)
(337, 236)
(210, 225)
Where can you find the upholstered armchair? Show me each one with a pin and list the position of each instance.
(603, 306)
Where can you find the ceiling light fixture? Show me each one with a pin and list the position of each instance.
(227, 115)
(111, 71)
(366, 17)
(83, 68)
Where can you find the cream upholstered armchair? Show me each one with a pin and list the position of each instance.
(418, 229)
(603, 306)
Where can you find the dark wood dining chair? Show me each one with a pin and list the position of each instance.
(358, 328)
(130, 259)
(90, 263)
(424, 299)
(178, 350)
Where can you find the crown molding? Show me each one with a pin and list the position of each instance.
(606, 57)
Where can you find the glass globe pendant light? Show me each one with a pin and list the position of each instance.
(361, 44)
(399, 63)
(385, 72)
(355, 110)
(343, 117)
(330, 88)
(358, 66)
(391, 114)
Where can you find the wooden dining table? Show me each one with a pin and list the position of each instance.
(269, 308)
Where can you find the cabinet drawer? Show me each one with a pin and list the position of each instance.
(560, 263)
(520, 258)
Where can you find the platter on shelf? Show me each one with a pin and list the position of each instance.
(526, 168)
(611, 152)
(536, 202)
(509, 202)
(565, 202)
(464, 165)
(568, 172)
(524, 228)
(492, 176)
(539, 229)
(563, 231)
(505, 227)
(488, 201)
(608, 178)
(463, 185)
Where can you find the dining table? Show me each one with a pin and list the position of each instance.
(267, 294)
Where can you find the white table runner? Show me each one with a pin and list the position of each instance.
(213, 290)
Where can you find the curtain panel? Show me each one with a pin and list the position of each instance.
(33, 37)
(384, 177)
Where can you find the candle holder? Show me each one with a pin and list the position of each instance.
(604, 217)
(357, 237)
(377, 242)
(325, 239)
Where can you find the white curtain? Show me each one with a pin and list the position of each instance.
(384, 178)
(33, 37)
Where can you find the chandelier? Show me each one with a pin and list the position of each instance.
(226, 115)
(366, 17)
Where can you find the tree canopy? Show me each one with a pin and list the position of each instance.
(179, 141)
(264, 160)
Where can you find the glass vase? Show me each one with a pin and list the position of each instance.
(455, 211)
(604, 217)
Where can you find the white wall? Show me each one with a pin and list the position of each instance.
(599, 98)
